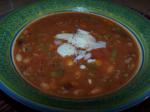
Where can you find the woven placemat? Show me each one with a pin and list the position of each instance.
(7, 104)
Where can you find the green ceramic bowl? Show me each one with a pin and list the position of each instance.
(12, 84)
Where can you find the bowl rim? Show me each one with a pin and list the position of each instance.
(40, 107)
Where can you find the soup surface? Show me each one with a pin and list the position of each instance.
(76, 55)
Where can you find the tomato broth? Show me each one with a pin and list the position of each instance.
(76, 55)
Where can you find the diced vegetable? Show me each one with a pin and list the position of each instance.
(107, 35)
(26, 48)
(44, 47)
(70, 63)
(57, 73)
(113, 55)
(98, 62)
(99, 36)
(104, 36)
(110, 69)
(119, 30)
(92, 66)
(95, 91)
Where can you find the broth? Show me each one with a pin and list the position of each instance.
(76, 55)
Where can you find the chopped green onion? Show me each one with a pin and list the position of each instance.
(104, 36)
(57, 73)
(119, 30)
(107, 36)
(113, 55)
(99, 36)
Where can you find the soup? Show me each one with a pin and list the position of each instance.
(76, 55)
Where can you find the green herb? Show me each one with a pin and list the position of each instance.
(107, 36)
(92, 67)
(27, 48)
(21, 37)
(126, 75)
(116, 28)
(57, 73)
(44, 47)
(119, 30)
(104, 36)
(99, 36)
(113, 55)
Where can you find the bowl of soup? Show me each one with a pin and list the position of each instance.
(75, 56)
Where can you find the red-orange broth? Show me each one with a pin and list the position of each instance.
(38, 62)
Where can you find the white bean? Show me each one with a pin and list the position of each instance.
(26, 60)
(82, 67)
(96, 90)
(91, 60)
(90, 81)
(44, 85)
(18, 57)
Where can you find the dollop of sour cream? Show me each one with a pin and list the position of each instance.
(66, 49)
(78, 44)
